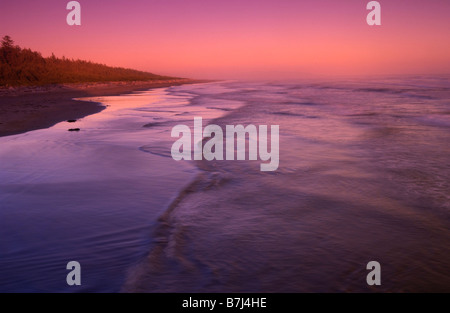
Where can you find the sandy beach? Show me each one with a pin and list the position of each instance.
(356, 183)
(93, 195)
(24, 109)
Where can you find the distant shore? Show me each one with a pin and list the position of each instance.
(23, 109)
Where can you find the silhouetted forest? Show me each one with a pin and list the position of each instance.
(24, 67)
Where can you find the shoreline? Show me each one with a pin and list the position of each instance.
(103, 167)
(23, 109)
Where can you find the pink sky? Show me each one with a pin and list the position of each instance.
(240, 38)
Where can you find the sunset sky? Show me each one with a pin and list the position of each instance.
(240, 38)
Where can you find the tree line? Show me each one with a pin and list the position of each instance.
(24, 67)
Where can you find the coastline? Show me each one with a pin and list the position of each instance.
(284, 230)
(24, 109)
(103, 166)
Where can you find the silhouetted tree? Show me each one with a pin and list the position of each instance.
(7, 42)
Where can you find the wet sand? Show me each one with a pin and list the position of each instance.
(29, 108)
(363, 177)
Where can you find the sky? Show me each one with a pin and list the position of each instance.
(240, 39)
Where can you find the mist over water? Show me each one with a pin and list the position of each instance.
(364, 175)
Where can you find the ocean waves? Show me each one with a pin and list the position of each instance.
(361, 177)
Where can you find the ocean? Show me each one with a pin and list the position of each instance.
(364, 175)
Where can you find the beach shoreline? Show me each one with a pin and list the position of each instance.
(23, 109)
(97, 171)
(342, 164)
